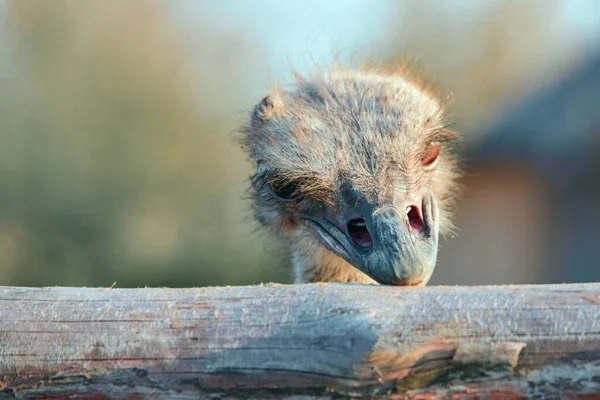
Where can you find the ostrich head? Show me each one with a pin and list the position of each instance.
(354, 172)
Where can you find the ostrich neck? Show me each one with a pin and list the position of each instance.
(321, 265)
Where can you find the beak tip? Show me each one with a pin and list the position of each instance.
(411, 282)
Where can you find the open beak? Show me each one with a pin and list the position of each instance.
(392, 246)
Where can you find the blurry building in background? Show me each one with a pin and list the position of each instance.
(535, 187)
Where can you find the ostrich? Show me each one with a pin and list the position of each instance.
(354, 171)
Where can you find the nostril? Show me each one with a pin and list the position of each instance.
(415, 219)
(359, 234)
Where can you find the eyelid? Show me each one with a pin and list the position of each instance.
(445, 135)
(430, 167)
(280, 198)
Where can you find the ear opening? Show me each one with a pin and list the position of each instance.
(266, 108)
(261, 110)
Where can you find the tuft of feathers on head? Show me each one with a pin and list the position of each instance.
(371, 125)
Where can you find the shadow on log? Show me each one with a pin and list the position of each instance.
(317, 340)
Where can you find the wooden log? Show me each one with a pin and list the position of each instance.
(316, 340)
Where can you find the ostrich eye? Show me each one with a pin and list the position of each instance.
(431, 155)
(286, 190)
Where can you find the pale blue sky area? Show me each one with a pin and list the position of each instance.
(584, 16)
(292, 33)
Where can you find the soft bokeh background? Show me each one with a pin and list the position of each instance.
(117, 162)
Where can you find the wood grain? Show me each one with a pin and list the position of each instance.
(314, 340)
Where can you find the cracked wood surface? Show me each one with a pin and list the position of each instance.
(314, 340)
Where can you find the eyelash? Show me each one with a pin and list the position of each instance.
(287, 191)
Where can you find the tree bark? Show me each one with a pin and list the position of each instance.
(314, 340)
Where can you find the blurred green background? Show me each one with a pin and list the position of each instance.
(117, 118)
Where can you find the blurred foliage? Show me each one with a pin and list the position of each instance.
(112, 169)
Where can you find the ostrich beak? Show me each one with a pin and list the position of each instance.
(393, 246)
